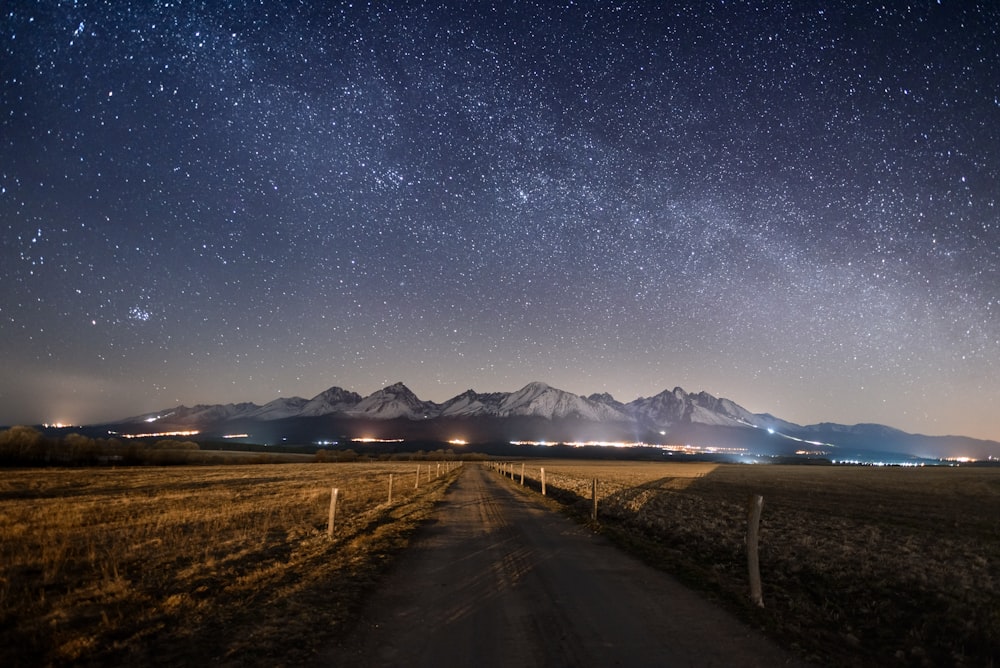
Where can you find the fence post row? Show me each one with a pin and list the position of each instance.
(754, 511)
(753, 540)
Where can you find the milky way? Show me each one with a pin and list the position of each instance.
(793, 205)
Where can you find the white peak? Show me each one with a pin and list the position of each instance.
(536, 386)
(397, 388)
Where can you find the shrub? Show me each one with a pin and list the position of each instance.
(22, 445)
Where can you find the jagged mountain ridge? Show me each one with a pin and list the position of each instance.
(394, 401)
(673, 414)
(536, 399)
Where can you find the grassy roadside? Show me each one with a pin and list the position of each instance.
(861, 566)
(189, 566)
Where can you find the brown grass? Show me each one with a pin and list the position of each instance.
(194, 565)
(861, 566)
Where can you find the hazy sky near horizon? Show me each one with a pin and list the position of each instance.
(790, 204)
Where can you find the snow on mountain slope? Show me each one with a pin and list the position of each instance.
(473, 404)
(465, 404)
(702, 415)
(608, 400)
(283, 407)
(394, 401)
(662, 410)
(199, 414)
(333, 400)
(538, 399)
(676, 406)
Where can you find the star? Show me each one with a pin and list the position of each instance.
(795, 208)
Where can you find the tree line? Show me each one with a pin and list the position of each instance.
(26, 446)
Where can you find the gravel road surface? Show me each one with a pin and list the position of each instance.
(499, 580)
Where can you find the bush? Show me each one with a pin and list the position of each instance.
(22, 445)
(79, 449)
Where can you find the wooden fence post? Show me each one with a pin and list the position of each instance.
(543, 482)
(390, 488)
(333, 511)
(438, 470)
(522, 474)
(753, 540)
(416, 483)
(593, 496)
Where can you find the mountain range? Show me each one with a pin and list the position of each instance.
(538, 412)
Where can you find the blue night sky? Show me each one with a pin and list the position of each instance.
(790, 204)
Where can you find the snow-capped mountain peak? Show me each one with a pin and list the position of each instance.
(282, 407)
(541, 400)
(469, 404)
(394, 401)
(676, 406)
(332, 400)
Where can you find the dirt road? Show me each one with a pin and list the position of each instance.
(498, 580)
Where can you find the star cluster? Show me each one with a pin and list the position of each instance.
(790, 204)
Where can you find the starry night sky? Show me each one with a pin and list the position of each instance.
(790, 204)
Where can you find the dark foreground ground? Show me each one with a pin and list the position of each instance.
(498, 580)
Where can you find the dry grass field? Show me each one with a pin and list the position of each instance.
(860, 566)
(229, 565)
